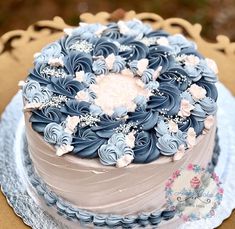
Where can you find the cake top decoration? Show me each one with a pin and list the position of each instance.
(122, 92)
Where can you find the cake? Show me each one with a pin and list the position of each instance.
(111, 111)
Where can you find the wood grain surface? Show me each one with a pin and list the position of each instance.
(14, 65)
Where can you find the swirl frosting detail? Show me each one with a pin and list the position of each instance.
(40, 118)
(174, 84)
(65, 86)
(104, 48)
(135, 50)
(86, 143)
(75, 62)
(145, 149)
(116, 147)
(106, 127)
(54, 134)
(168, 99)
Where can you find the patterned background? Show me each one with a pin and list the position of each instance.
(216, 16)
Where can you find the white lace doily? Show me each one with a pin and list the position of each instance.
(13, 175)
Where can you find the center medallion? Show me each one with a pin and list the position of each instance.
(118, 90)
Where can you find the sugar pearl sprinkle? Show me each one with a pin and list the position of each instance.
(148, 41)
(126, 128)
(56, 101)
(88, 120)
(82, 46)
(54, 71)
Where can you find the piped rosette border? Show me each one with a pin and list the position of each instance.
(177, 102)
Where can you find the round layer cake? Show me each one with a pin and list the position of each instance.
(113, 110)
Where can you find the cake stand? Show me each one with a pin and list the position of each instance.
(14, 177)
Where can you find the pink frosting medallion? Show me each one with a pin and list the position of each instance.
(130, 139)
(79, 76)
(212, 65)
(173, 127)
(71, 123)
(209, 122)
(109, 60)
(179, 154)
(118, 90)
(82, 95)
(191, 60)
(142, 66)
(197, 92)
(56, 62)
(63, 149)
(185, 108)
(124, 161)
(191, 137)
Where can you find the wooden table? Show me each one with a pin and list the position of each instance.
(16, 57)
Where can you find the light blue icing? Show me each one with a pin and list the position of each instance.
(120, 111)
(30, 88)
(193, 73)
(52, 133)
(207, 73)
(119, 64)
(112, 31)
(91, 94)
(208, 105)
(52, 50)
(33, 92)
(40, 97)
(140, 101)
(161, 128)
(180, 41)
(152, 85)
(64, 139)
(95, 110)
(99, 67)
(147, 75)
(137, 27)
(109, 154)
(181, 137)
(168, 144)
(115, 148)
(186, 95)
(133, 66)
(198, 113)
(89, 78)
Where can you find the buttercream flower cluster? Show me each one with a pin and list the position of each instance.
(175, 102)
